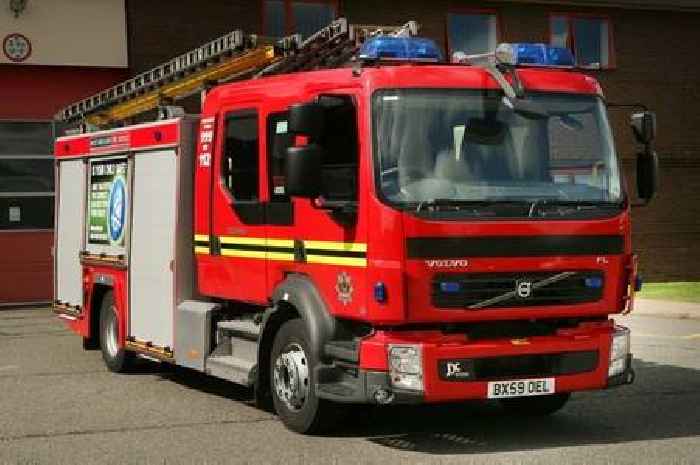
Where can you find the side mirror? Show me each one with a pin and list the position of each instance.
(644, 127)
(647, 175)
(304, 171)
(306, 119)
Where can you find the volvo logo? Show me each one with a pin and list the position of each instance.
(523, 289)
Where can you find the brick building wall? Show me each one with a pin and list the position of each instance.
(655, 65)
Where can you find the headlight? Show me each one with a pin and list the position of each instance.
(619, 350)
(406, 367)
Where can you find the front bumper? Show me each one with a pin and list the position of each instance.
(565, 356)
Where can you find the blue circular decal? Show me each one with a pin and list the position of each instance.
(117, 210)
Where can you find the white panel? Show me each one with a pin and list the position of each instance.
(69, 231)
(69, 32)
(152, 246)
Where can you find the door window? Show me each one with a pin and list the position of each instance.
(240, 158)
(340, 147)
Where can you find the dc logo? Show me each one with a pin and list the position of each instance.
(117, 210)
(523, 289)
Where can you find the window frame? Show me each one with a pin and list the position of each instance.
(467, 11)
(6, 197)
(232, 114)
(289, 23)
(571, 40)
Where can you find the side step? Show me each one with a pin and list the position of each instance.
(236, 354)
(232, 368)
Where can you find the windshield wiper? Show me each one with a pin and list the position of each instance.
(578, 205)
(463, 203)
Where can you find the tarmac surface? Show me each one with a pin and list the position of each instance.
(59, 404)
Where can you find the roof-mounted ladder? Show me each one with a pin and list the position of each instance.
(234, 56)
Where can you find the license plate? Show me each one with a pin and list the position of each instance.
(520, 388)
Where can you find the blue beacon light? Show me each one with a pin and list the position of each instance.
(522, 54)
(400, 48)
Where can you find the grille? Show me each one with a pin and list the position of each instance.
(494, 368)
(499, 290)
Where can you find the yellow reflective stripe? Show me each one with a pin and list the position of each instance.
(243, 253)
(343, 261)
(280, 243)
(242, 240)
(282, 256)
(201, 237)
(340, 246)
(201, 250)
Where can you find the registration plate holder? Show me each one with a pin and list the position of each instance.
(521, 388)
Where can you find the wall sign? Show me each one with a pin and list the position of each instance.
(108, 202)
(16, 47)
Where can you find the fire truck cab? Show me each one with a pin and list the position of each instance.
(403, 233)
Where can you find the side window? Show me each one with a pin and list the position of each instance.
(278, 140)
(240, 156)
(340, 148)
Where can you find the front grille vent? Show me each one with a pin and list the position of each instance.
(524, 289)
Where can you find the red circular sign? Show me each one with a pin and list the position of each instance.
(16, 47)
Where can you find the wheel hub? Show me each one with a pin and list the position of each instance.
(291, 377)
(110, 335)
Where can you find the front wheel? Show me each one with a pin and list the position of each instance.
(292, 381)
(538, 406)
(115, 356)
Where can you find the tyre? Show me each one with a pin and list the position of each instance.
(538, 406)
(115, 356)
(292, 381)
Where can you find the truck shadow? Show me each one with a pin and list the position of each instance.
(664, 403)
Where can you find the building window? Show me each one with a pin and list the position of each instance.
(26, 175)
(588, 37)
(284, 17)
(241, 161)
(472, 32)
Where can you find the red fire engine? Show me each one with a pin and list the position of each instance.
(354, 221)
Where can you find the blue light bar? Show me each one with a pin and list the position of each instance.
(400, 48)
(594, 282)
(535, 55)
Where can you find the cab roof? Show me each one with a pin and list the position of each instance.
(304, 85)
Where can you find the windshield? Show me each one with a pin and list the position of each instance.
(446, 147)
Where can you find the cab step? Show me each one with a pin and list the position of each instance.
(236, 353)
(232, 368)
(244, 329)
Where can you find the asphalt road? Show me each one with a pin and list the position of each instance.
(59, 404)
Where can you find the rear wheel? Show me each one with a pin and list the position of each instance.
(292, 381)
(535, 406)
(115, 356)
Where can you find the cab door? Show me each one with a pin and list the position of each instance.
(329, 245)
(238, 209)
